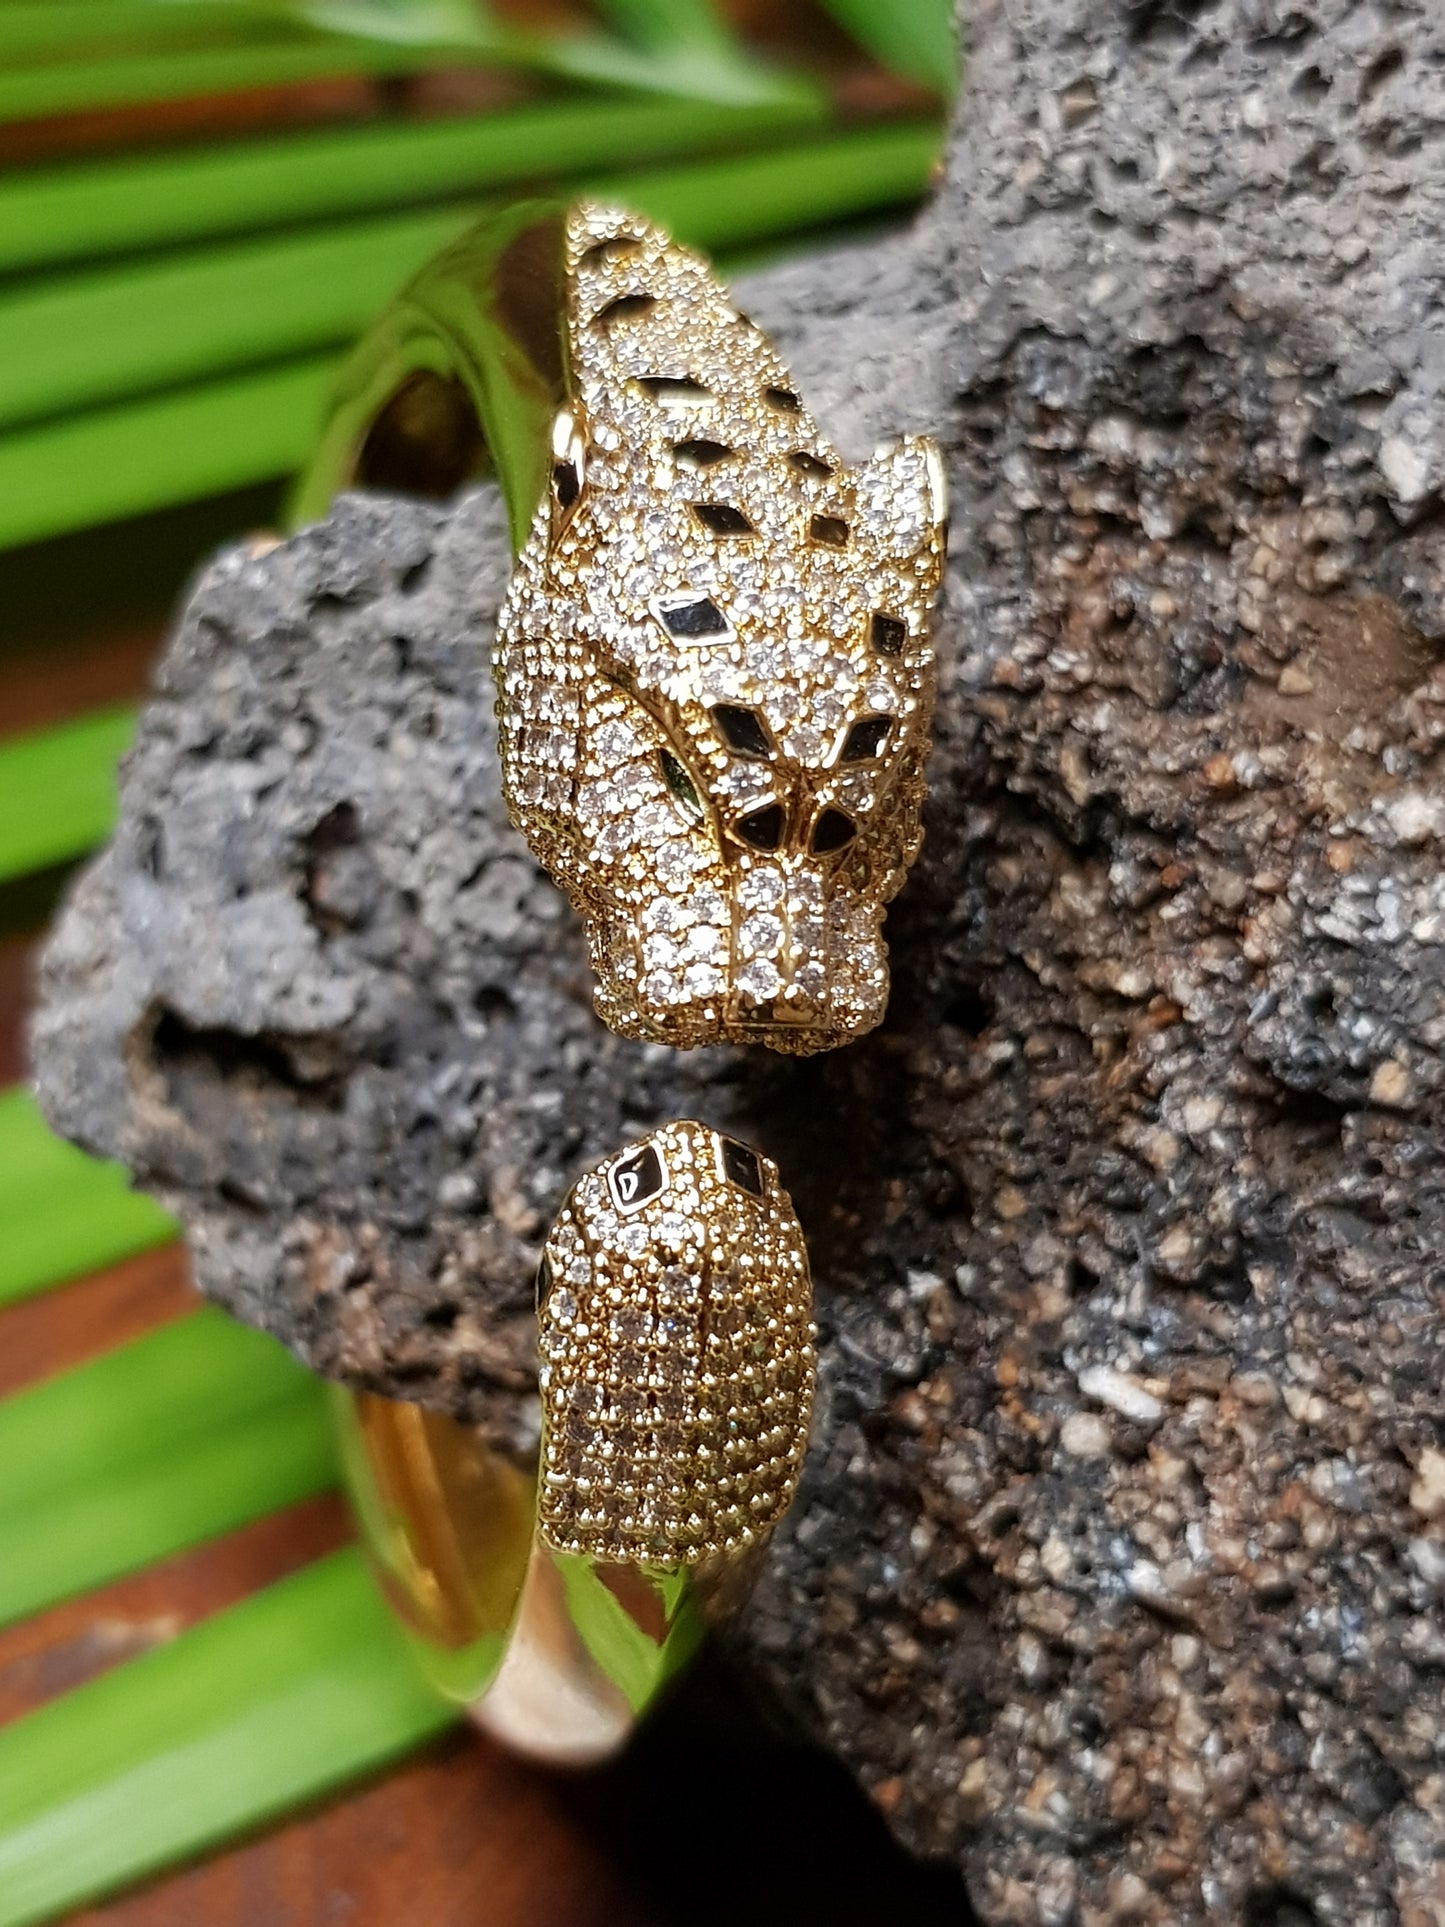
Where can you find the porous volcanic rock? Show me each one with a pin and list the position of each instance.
(1118, 1574)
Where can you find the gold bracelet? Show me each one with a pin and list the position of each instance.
(714, 675)
(676, 1375)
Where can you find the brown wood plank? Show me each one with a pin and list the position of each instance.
(72, 1323)
(74, 1641)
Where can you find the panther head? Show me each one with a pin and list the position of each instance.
(714, 670)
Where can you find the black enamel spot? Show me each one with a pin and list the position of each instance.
(762, 828)
(741, 1167)
(806, 463)
(829, 530)
(699, 452)
(742, 729)
(636, 1178)
(565, 484)
(833, 829)
(701, 617)
(623, 307)
(611, 249)
(543, 1281)
(680, 783)
(865, 739)
(673, 388)
(783, 398)
(887, 634)
(722, 518)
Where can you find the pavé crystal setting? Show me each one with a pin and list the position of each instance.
(677, 1353)
(715, 680)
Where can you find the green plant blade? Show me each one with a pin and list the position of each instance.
(32, 92)
(97, 337)
(147, 455)
(176, 447)
(156, 69)
(912, 38)
(54, 214)
(57, 785)
(122, 1517)
(63, 1213)
(296, 1690)
(134, 1405)
(757, 197)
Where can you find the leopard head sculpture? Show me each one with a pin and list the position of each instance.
(714, 671)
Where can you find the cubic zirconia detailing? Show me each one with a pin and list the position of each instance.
(714, 672)
(677, 1380)
(677, 1353)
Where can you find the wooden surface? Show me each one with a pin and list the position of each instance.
(708, 1819)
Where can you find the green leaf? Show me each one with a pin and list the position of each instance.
(728, 204)
(57, 785)
(146, 455)
(172, 1439)
(118, 331)
(96, 337)
(129, 80)
(54, 214)
(660, 25)
(133, 1405)
(296, 1690)
(913, 38)
(63, 1213)
(170, 52)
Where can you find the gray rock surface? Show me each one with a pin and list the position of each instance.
(1118, 1575)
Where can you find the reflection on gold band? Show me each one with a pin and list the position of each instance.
(676, 1388)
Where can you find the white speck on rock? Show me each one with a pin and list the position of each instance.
(1124, 1394)
(1405, 468)
(1085, 1435)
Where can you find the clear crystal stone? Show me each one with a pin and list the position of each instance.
(761, 932)
(702, 980)
(705, 940)
(760, 890)
(760, 980)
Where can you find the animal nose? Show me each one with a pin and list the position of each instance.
(780, 962)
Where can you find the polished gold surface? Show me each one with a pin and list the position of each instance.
(555, 1601)
(714, 672)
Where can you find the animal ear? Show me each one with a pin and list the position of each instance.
(902, 487)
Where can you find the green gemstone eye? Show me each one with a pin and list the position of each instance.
(680, 784)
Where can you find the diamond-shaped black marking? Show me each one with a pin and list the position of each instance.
(701, 617)
(865, 739)
(783, 398)
(807, 463)
(829, 530)
(763, 828)
(722, 518)
(612, 249)
(636, 1179)
(698, 452)
(887, 634)
(622, 306)
(742, 729)
(673, 388)
(741, 1166)
(833, 830)
(565, 484)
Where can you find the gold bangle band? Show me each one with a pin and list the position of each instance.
(714, 674)
(676, 1376)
